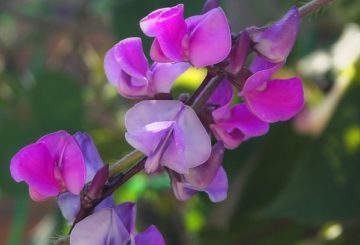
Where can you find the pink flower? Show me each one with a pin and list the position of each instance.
(169, 133)
(271, 100)
(202, 40)
(127, 68)
(51, 165)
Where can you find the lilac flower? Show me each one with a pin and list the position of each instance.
(276, 41)
(209, 177)
(69, 203)
(114, 226)
(202, 40)
(169, 133)
(272, 100)
(51, 165)
(127, 68)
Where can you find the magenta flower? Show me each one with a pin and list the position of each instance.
(114, 226)
(233, 124)
(51, 165)
(202, 40)
(272, 100)
(169, 133)
(69, 203)
(209, 177)
(127, 68)
(276, 41)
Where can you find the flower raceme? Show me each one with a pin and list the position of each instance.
(51, 165)
(114, 225)
(178, 39)
(127, 68)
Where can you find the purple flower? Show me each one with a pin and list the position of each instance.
(202, 40)
(209, 177)
(276, 41)
(272, 100)
(51, 165)
(114, 226)
(169, 133)
(127, 68)
(233, 124)
(69, 203)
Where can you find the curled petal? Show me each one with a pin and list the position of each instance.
(211, 33)
(277, 40)
(239, 53)
(279, 100)
(157, 54)
(181, 191)
(238, 125)
(201, 176)
(165, 74)
(151, 236)
(210, 4)
(218, 188)
(169, 28)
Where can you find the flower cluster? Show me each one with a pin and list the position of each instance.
(173, 136)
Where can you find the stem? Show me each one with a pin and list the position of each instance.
(313, 6)
(206, 92)
(124, 162)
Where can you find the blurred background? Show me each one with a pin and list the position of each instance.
(300, 184)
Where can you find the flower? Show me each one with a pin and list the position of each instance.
(276, 41)
(127, 68)
(114, 226)
(69, 203)
(51, 165)
(271, 100)
(232, 124)
(209, 177)
(202, 40)
(169, 133)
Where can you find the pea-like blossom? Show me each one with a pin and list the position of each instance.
(202, 40)
(271, 100)
(127, 68)
(51, 165)
(209, 177)
(69, 203)
(233, 124)
(114, 225)
(276, 41)
(169, 133)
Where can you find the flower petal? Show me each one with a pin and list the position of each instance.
(157, 54)
(201, 176)
(34, 165)
(165, 74)
(68, 156)
(212, 33)
(279, 101)
(103, 227)
(151, 236)
(93, 160)
(222, 95)
(127, 214)
(218, 188)
(169, 28)
(277, 40)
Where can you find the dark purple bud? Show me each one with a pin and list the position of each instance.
(240, 51)
(98, 182)
(209, 5)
